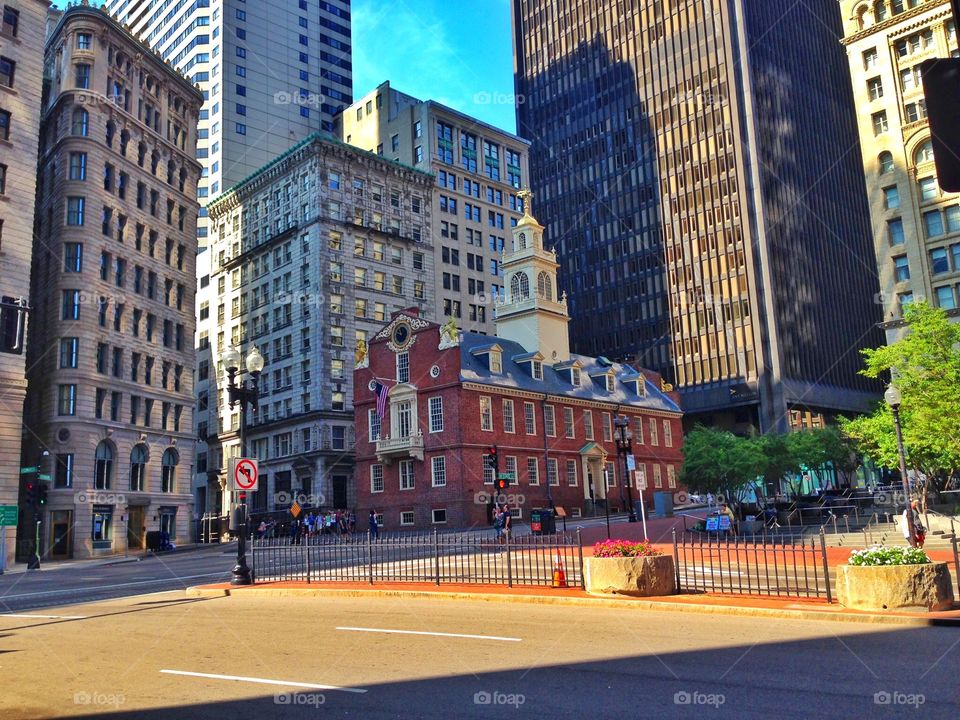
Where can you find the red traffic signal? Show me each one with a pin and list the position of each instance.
(491, 459)
(501, 484)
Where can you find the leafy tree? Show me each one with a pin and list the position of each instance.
(718, 461)
(925, 365)
(777, 460)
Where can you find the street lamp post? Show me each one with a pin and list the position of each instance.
(625, 448)
(246, 393)
(893, 398)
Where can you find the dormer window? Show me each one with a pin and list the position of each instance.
(575, 377)
(611, 383)
(496, 362)
(537, 370)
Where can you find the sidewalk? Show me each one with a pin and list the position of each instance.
(18, 568)
(754, 606)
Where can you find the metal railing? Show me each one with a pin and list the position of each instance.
(777, 567)
(435, 557)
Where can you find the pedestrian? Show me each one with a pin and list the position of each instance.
(919, 531)
(728, 511)
(294, 529)
(374, 526)
(262, 529)
(353, 522)
(507, 523)
(497, 523)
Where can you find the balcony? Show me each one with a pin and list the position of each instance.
(401, 448)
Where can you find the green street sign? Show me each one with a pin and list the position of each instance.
(28, 470)
(506, 476)
(8, 515)
(42, 476)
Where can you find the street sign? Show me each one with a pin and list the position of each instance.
(244, 474)
(640, 478)
(506, 476)
(8, 515)
(295, 509)
(28, 470)
(631, 463)
(41, 476)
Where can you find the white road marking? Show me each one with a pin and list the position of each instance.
(44, 617)
(263, 681)
(437, 634)
(85, 589)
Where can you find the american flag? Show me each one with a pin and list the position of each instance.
(381, 391)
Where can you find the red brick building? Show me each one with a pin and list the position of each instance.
(550, 414)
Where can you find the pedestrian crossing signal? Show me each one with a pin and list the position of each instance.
(491, 459)
(502, 483)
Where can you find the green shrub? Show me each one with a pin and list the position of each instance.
(881, 555)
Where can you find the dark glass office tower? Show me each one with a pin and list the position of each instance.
(698, 165)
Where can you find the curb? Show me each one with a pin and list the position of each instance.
(201, 591)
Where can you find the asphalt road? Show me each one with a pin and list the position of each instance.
(165, 657)
(84, 582)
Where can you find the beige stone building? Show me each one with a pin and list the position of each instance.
(479, 170)
(309, 257)
(916, 226)
(111, 353)
(22, 28)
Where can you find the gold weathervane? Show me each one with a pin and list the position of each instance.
(526, 197)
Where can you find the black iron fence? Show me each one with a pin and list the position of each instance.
(778, 567)
(466, 558)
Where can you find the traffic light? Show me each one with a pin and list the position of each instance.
(502, 484)
(491, 459)
(30, 494)
(941, 88)
(42, 493)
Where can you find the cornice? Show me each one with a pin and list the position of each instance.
(892, 23)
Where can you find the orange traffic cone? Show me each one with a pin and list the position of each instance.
(559, 574)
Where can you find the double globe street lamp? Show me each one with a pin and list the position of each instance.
(246, 392)
(625, 447)
(893, 398)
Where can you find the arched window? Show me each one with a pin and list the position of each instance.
(103, 468)
(523, 241)
(924, 153)
(81, 122)
(862, 18)
(519, 286)
(544, 286)
(885, 161)
(183, 179)
(168, 467)
(515, 287)
(880, 10)
(138, 467)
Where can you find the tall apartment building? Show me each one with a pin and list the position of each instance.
(309, 258)
(479, 170)
(698, 161)
(272, 72)
(111, 352)
(22, 30)
(916, 226)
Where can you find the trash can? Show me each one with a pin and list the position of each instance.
(536, 522)
(542, 521)
(154, 540)
(663, 504)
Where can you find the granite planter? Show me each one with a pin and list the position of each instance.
(926, 586)
(636, 576)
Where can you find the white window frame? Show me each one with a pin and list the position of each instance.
(671, 476)
(537, 370)
(654, 440)
(403, 366)
(486, 413)
(588, 424)
(569, 428)
(510, 463)
(375, 470)
(572, 464)
(412, 477)
(374, 421)
(553, 472)
(610, 474)
(638, 430)
(433, 516)
(607, 427)
(438, 471)
(435, 413)
(496, 362)
(667, 434)
(657, 476)
(533, 471)
(550, 420)
(509, 419)
(411, 514)
(530, 418)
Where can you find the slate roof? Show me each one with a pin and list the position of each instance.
(474, 369)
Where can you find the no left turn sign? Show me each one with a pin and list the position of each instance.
(244, 474)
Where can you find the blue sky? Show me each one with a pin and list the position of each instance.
(456, 52)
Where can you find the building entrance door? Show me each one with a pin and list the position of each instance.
(61, 534)
(135, 528)
(340, 491)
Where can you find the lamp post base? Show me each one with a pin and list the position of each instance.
(241, 575)
(633, 516)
